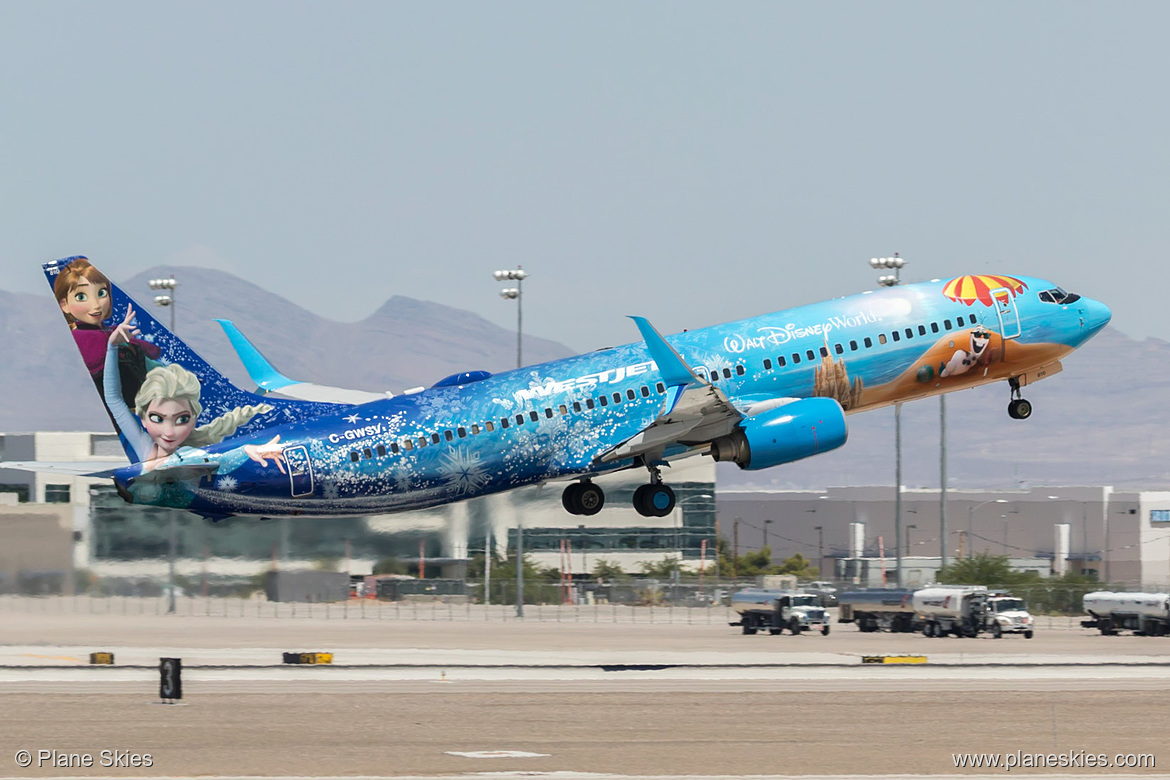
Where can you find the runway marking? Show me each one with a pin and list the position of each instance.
(496, 754)
(53, 657)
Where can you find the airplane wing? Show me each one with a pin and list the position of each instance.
(269, 380)
(693, 412)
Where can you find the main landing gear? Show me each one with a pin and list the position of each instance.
(1019, 408)
(583, 498)
(652, 500)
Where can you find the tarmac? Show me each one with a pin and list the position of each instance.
(566, 700)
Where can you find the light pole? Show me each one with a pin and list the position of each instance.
(895, 264)
(517, 275)
(169, 301)
(971, 510)
(766, 524)
(820, 551)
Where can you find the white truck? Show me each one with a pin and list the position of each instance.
(776, 610)
(968, 610)
(1146, 614)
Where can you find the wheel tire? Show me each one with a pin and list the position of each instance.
(1027, 634)
(590, 498)
(775, 631)
(748, 629)
(928, 630)
(997, 631)
(641, 506)
(571, 499)
(794, 627)
(825, 630)
(1023, 409)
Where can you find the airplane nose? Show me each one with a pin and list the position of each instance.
(1096, 315)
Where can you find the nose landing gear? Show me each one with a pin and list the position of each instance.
(1019, 408)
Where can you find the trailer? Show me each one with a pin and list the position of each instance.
(1145, 614)
(968, 610)
(776, 610)
(879, 610)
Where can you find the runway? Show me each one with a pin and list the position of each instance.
(412, 699)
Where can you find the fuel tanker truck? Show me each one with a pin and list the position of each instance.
(776, 610)
(1145, 614)
(878, 610)
(968, 610)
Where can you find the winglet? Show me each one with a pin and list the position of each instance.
(259, 369)
(671, 366)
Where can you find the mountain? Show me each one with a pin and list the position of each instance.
(405, 343)
(1104, 420)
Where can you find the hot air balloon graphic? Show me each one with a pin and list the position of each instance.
(968, 289)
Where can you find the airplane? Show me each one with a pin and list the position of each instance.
(759, 392)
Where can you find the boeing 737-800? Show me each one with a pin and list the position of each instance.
(759, 392)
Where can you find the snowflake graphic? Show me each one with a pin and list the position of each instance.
(331, 491)
(227, 484)
(353, 418)
(403, 478)
(462, 470)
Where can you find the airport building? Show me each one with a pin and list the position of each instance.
(86, 530)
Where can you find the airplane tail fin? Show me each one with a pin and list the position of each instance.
(158, 392)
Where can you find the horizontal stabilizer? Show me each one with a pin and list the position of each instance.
(76, 469)
(269, 380)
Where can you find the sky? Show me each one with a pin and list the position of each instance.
(689, 162)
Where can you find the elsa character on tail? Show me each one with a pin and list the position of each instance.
(167, 406)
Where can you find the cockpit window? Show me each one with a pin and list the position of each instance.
(1057, 295)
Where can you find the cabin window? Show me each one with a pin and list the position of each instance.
(448, 435)
(740, 370)
(824, 352)
(661, 388)
(576, 406)
(489, 426)
(645, 391)
(780, 361)
(909, 333)
(881, 338)
(727, 373)
(534, 416)
(394, 447)
(795, 358)
(852, 346)
(897, 336)
(564, 409)
(947, 324)
(589, 403)
(354, 456)
(422, 442)
(921, 330)
(617, 398)
(462, 432)
(603, 400)
(504, 422)
(971, 319)
(631, 395)
(408, 444)
(839, 349)
(435, 437)
(810, 354)
(767, 364)
(934, 327)
(381, 450)
(474, 429)
(868, 342)
(368, 453)
(548, 413)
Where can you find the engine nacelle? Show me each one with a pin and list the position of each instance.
(790, 432)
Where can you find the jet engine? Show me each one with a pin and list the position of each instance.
(796, 430)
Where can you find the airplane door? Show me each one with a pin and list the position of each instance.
(300, 470)
(1006, 311)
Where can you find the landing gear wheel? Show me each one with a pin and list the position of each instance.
(1020, 409)
(583, 498)
(654, 500)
